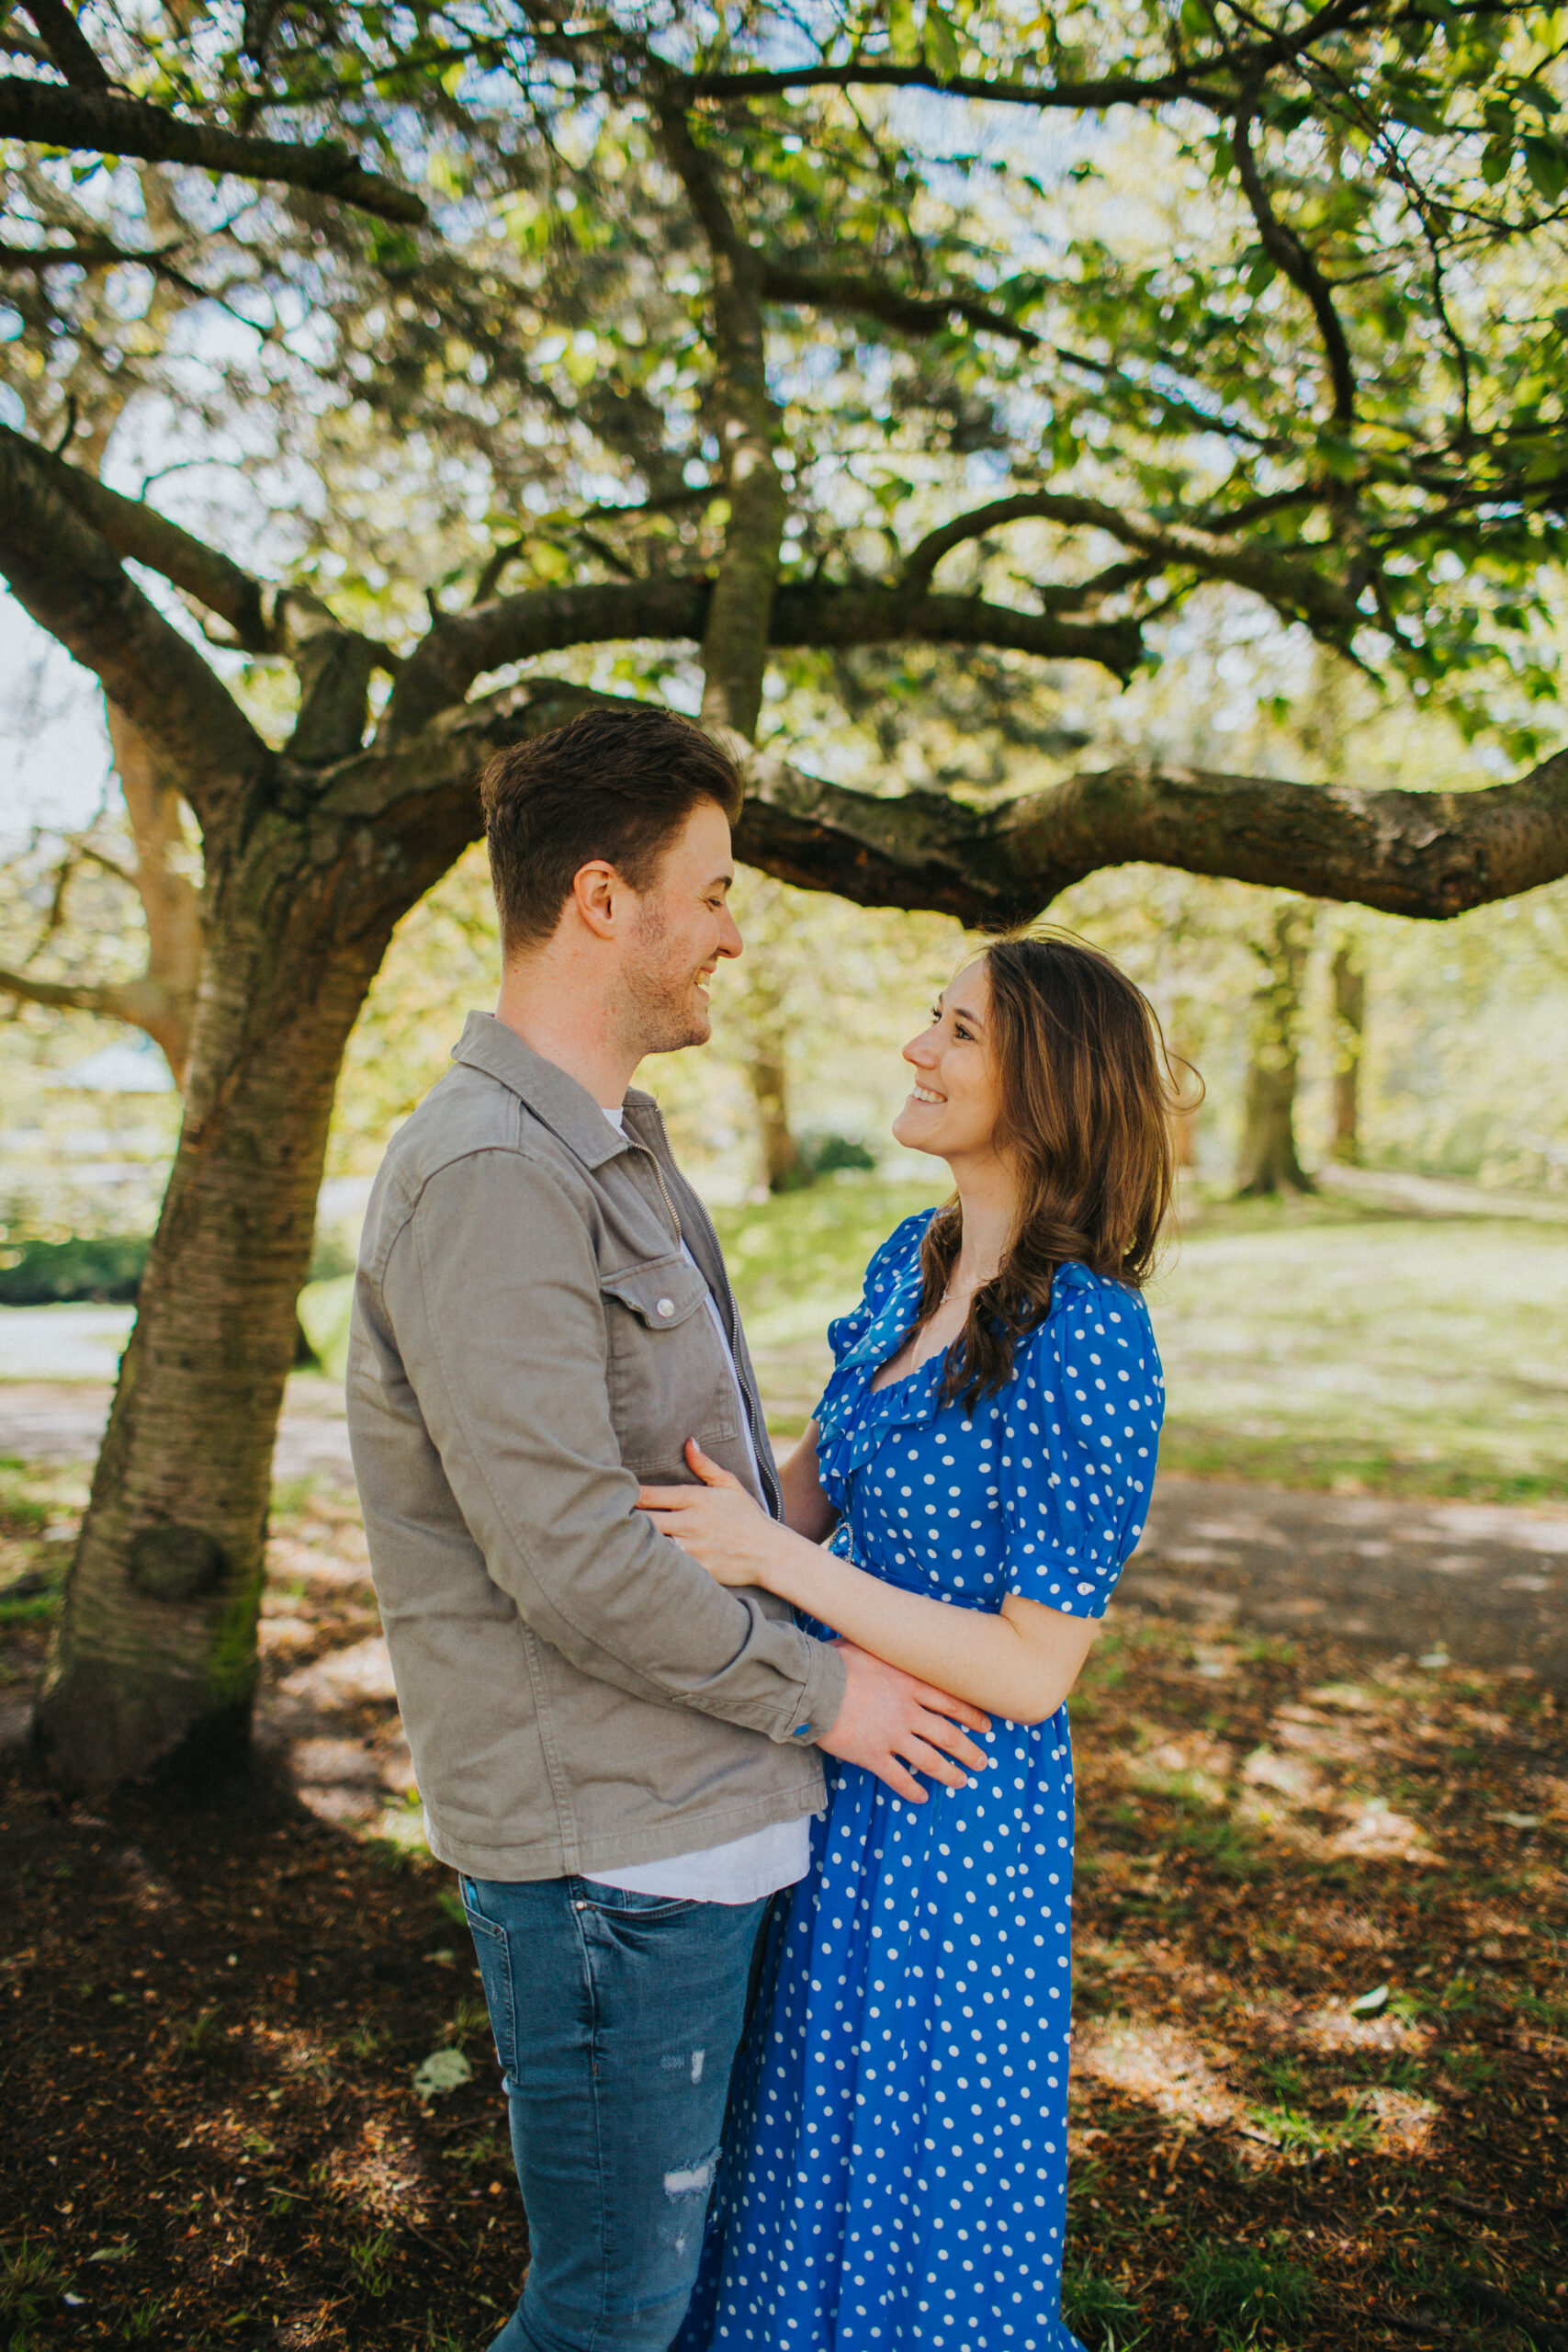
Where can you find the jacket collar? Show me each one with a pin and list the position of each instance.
(551, 1093)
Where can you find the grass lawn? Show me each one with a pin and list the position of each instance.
(1318, 1343)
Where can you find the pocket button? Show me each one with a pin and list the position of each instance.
(665, 1307)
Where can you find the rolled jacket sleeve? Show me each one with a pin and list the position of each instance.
(492, 1290)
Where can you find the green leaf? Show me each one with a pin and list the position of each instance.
(941, 41)
(444, 2070)
(902, 38)
(1495, 158)
(1546, 161)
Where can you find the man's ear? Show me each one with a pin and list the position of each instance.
(596, 887)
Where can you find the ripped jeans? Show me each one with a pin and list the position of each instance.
(616, 2019)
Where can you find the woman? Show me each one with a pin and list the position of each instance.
(895, 2172)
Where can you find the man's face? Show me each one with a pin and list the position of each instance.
(682, 926)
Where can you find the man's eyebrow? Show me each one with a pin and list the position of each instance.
(724, 881)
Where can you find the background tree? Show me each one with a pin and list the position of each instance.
(1349, 980)
(727, 343)
(1269, 1161)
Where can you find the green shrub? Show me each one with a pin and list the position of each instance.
(107, 1271)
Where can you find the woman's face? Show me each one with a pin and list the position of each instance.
(951, 1108)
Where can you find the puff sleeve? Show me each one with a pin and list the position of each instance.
(1079, 1437)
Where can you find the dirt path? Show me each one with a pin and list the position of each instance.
(1485, 1584)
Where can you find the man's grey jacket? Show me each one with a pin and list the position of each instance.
(528, 1345)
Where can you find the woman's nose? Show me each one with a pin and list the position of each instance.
(920, 1050)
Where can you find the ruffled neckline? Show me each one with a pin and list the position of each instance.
(856, 1419)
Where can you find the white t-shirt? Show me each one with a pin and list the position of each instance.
(745, 1869)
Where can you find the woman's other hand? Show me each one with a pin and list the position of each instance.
(717, 1523)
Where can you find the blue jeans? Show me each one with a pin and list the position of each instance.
(616, 2020)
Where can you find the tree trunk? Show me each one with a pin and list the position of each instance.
(784, 1164)
(1349, 1042)
(1268, 1160)
(165, 996)
(154, 1665)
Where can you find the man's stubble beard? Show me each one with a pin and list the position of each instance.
(658, 1014)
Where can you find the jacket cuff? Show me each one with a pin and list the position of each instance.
(821, 1696)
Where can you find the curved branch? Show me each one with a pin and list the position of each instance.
(464, 646)
(98, 122)
(1428, 854)
(1287, 253)
(94, 252)
(139, 533)
(840, 289)
(137, 1002)
(1124, 89)
(67, 576)
(1283, 580)
(264, 620)
(830, 616)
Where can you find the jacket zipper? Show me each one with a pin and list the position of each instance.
(663, 1194)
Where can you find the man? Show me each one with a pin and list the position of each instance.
(616, 1754)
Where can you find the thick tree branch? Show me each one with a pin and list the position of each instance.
(67, 576)
(139, 533)
(464, 646)
(1430, 855)
(67, 44)
(829, 617)
(98, 122)
(264, 620)
(1286, 582)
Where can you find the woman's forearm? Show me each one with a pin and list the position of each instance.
(806, 1507)
(987, 1659)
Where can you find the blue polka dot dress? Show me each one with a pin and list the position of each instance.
(894, 2172)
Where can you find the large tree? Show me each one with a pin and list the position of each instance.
(915, 356)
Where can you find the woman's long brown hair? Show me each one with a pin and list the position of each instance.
(1087, 1093)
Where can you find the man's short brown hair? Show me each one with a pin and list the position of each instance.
(614, 783)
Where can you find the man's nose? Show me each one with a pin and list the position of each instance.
(729, 940)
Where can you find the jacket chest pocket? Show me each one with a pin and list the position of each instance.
(669, 1370)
